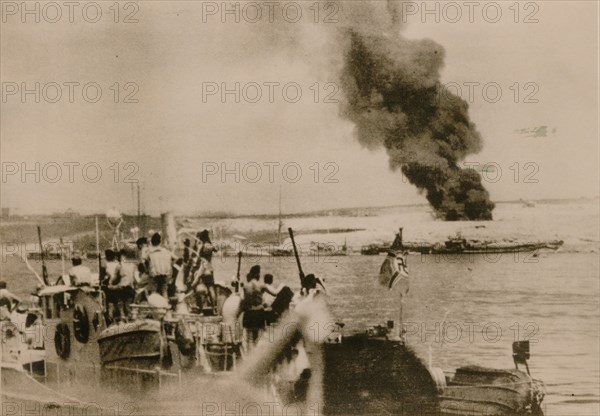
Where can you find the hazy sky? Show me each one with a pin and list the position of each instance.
(173, 134)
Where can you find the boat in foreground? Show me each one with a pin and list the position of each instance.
(488, 391)
(164, 353)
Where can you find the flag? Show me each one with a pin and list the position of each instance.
(393, 270)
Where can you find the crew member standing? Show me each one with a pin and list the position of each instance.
(252, 305)
(269, 292)
(143, 249)
(124, 280)
(205, 272)
(268, 296)
(160, 261)
(110, 287)
(79, 274)
(111, 265)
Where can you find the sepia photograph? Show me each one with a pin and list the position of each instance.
(299, 208)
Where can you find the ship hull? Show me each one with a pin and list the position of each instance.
(477, 390)
(488, 249)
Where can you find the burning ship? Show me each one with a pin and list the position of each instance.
(460, 245)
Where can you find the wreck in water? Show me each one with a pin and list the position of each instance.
(460, 245)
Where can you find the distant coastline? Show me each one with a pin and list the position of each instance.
(342, 211)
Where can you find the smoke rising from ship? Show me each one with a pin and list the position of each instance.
(396, 101)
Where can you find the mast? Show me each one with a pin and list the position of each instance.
(398, 244)
(141, 216)
(44, 269)
(62, 255)
(400, 238)
(100, 277)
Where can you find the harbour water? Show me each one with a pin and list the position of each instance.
(462, 310)
(469, 310)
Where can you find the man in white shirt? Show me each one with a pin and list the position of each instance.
(143, 249)
(112, 291)
(125, 276)
(161, 267)
(79, 274)
(111, 266)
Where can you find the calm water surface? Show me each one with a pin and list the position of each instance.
(462, 310)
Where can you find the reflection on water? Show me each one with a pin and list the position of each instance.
(464, 309)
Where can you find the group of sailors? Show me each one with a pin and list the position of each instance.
(157, 272)
(165, 279)
(160, 278)
(257, 302)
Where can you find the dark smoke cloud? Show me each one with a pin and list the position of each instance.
(395, 98)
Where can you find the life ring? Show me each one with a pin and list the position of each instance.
(62, 341)
(81, 324)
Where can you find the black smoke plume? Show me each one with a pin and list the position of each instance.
(395, 98)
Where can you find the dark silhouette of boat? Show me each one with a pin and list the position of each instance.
(281, 252)
(460, 245)
(372, 250)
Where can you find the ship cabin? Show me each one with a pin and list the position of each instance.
(73, 318)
